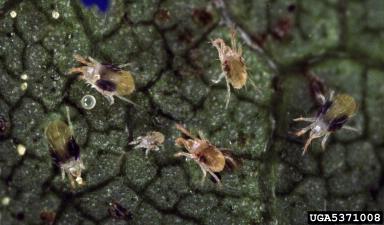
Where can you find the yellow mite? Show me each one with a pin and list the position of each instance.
(109, 80)
(332, 116)
(232, 62)
(64, 150)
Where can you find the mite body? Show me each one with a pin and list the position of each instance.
(210, 158)
(117, 211)
(150, 142)
(109, 80)
(64, 150)
(232, 62)
(332, 116)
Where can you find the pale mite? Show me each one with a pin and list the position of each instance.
(64, 150)
(211, 159)
(332, 116)
(109, 80)
(150, 142)
(232, 62)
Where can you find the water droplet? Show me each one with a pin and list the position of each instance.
(88, 102)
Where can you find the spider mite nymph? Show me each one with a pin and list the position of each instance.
(64, 150)
(232, 62)
(109, 80)
(117, 211)
(332, 116)
(150, 142)
(210, 158)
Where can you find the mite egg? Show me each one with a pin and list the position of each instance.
(21, 149)
(55, 14)
(88, 102)
(13, 14)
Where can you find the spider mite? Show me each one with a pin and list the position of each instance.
(117, 211)
(150, 142)
(64, 150)
(332, 116)
(232, 62)
(109, 80)
(210, 158)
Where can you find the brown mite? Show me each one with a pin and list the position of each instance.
(232, 62)
(210, 158)
(150, 142)
(64, 150)
(4, 126)
(117, 211)
(48, 217)
(109, 80)
(332, 116)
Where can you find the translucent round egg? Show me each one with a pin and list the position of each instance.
(88, 102)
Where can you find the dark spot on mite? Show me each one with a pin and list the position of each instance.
(337, 123)
(291, 8)
(202, 16)
(324, 108)
(73, 148)
(163, 15)
(20, 216)
(106, 85)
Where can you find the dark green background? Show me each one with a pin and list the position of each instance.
(172, 61)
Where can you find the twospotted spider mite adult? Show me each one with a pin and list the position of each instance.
(332, 116)
(232, 62)
(210, 158)
(109, 80)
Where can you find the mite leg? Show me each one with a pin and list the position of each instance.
(80, 70)
(147, 152)
(309, 119)
(110, 99)
(307, 144)
(218, 181)
(69, 119)
(127, 100)
(83, 60)
(203, 169)
(302, 131)
(325, 138)
(187, 155)
(185, 131)
(221, 76)
(228, 93)
(350, 128)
